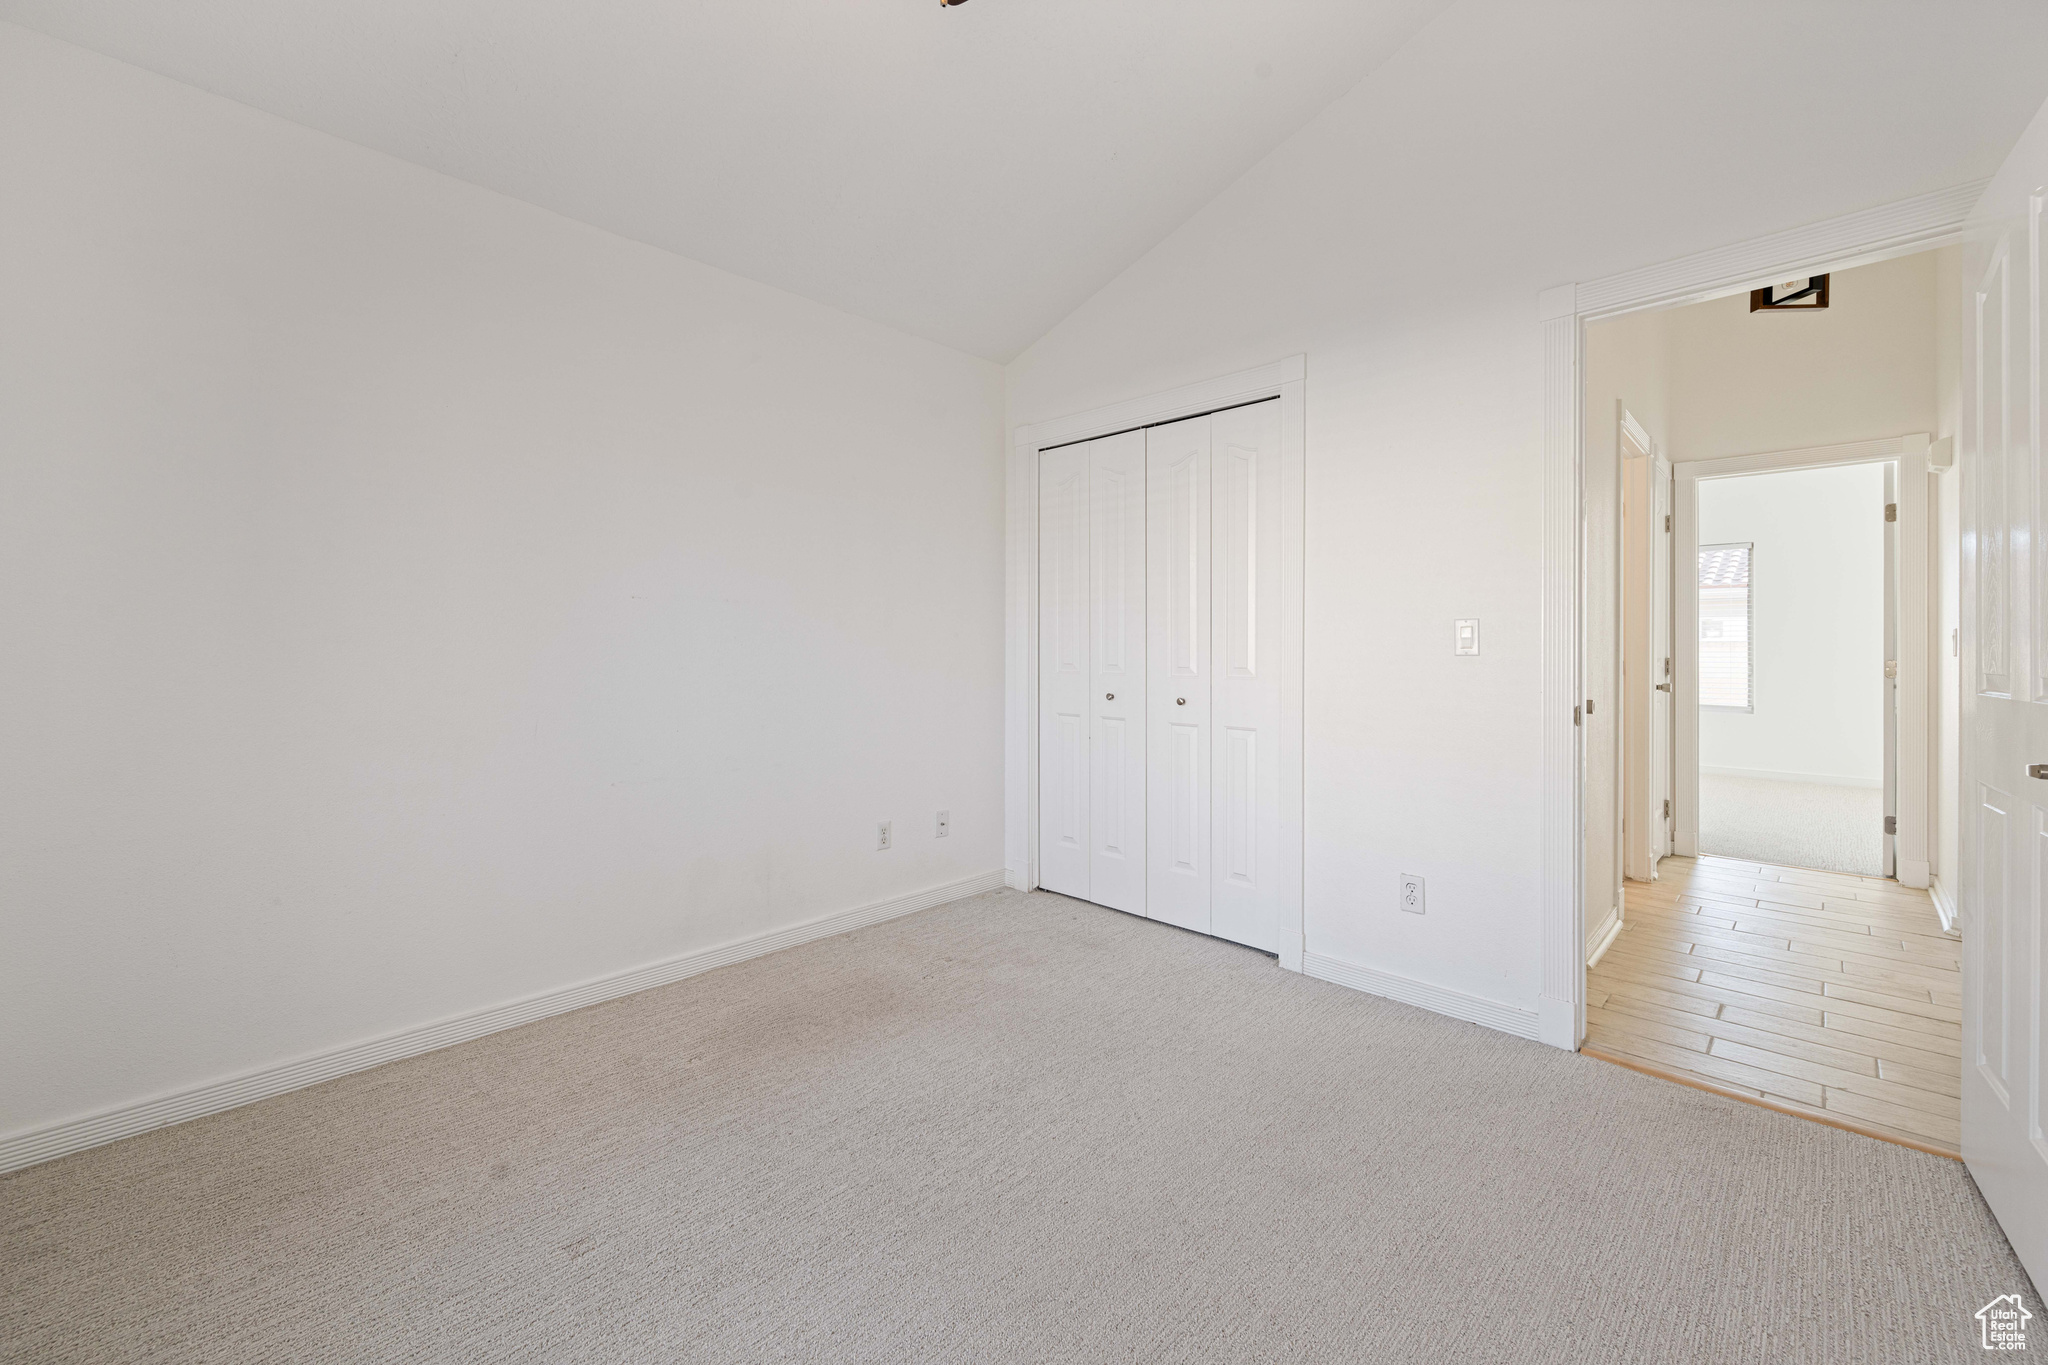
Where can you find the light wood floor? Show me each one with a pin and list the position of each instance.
(1833, 995)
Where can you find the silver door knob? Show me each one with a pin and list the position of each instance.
(1180, 701)
(1109, 696)
(2037, 770)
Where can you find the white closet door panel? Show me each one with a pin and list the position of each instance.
(1117, 693)
(1065, 671)
(1179, 612)
(1245, 460)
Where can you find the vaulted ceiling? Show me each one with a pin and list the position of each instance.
(967, 174)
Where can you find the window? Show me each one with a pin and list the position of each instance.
(1725, 617)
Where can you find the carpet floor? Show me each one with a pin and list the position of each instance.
(1793, 824)
(1015, 1128)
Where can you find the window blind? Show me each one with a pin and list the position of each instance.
(1726, 617)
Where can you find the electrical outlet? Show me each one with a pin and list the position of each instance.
(945, 824)
(882, 836)
(1413, 895)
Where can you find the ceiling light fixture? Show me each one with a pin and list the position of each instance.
(944, 3)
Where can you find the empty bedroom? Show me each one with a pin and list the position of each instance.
(886, 681)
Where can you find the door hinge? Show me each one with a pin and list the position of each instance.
(1891, 511)
(1891, 668)
(1667, 808)
(1575, 715)
(1891, 824)
(1667, 521)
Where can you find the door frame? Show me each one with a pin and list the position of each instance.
(1914, 624)
(1899, 229)
(1285, 380)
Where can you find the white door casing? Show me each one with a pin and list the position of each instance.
(2003, 849)
(1915, 795)
(1116, 693)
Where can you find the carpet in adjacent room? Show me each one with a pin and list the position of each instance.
(1794, 824)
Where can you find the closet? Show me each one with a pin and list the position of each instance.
(1159, 672)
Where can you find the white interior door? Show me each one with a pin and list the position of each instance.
(1889, 865)
(1064, 670)
(1178, 616)
(1662, 735)
(1116, 698)
(1245, 837)
(2004, 848)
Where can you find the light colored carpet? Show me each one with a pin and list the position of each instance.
(1793, 824)
(1016, 1128)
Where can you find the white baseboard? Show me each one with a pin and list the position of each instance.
(27, 1147)
(1773, 775)
(1609, 931)
(1944, 903)
(1440, 999)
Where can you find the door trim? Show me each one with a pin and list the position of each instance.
(1284, 380)
(1915, 775)
(1898, 229)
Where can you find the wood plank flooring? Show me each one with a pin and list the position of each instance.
(1828, 994)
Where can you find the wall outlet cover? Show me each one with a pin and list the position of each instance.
(1414, 894)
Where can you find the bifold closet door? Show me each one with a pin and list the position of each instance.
(1091, 723)
(1065, 674)
(1116, 856)
(1244, 843)
(1177, 546)
(1213, 610)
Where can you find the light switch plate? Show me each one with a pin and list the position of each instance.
(1468, 636)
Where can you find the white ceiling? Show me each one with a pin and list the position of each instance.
(970, 175)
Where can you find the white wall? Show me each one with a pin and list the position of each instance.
(1861, 369)
(1817, 599)
(1400, 241)
(411, 600)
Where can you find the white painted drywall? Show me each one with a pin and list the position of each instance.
(411, 600)
(1817, 602)
(968, 174)
(1861, 369)
(1400, 241)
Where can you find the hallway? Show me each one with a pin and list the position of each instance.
(1831, 996)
